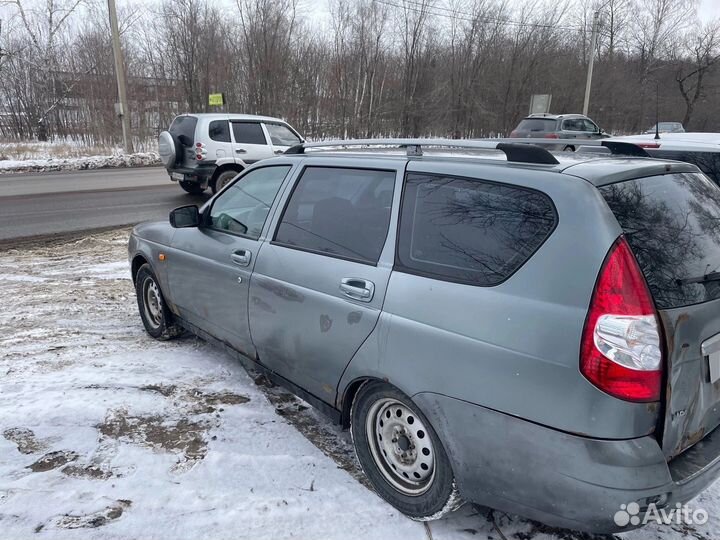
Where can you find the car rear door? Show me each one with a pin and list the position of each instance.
(318, 286)
(672, 223)
(209, 267)
(250, 143)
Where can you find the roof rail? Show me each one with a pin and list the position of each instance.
(521, 152)
(617, 148)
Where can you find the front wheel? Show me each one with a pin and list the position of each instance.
(155, 315)
(192, 188)
(401, 454)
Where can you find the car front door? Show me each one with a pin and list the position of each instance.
(249, 141)
(209, 267)
(318, 287)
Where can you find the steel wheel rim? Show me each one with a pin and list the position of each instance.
(401, 446)
(152, 300)
(224, 181)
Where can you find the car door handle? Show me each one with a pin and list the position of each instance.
(357, 288)
(241, 257)
(240, 151)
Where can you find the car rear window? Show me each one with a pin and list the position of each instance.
(470, 231)
(672, 223)
(537, 124)
(184, 125)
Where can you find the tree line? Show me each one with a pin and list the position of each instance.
(455, 68)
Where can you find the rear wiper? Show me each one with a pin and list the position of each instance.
(712, 276)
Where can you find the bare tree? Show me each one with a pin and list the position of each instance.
(702, 51)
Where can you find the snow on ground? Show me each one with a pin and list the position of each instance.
(106, 433)
(70, 155)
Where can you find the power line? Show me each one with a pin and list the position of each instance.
(468, 17)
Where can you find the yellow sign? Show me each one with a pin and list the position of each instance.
(216, 99)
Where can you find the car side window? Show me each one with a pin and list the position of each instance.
(339, 212)
(219, 130)
(469, 231)
(243, 207)
(248, 133)
(282, 135)
(589, 126)
(572, 124)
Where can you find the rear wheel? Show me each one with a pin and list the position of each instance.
(155, 315)
(222, 179)
(401, 454)
(191, 187)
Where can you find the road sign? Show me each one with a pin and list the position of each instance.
(216, 99)
(540, 103)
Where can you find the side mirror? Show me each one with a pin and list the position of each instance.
(185, 216)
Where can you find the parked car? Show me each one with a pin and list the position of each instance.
(667, 127)
(700, 149)
(540, 335)
(558, 126)
(201, 150)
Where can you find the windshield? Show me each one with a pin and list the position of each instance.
(672, 223)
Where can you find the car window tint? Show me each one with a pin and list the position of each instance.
(536, 124)
(248, 133)
(184, 125)
(589, 126)
(243, 207)
(219, 130)
(573, 124)
(672, 223)
(281, 135)
(339, 212)
(470, 231)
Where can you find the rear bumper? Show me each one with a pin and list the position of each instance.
(199, 173)
(557, 478)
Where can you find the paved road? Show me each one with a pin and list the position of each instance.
(56, 203)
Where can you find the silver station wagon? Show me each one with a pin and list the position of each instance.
(539, 334)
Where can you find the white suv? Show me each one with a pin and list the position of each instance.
(201, 150)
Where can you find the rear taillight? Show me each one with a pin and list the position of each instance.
(200, 151)
(648, 145)
(621, 350)
(551, 136)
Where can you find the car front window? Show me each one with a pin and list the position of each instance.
(243, 207)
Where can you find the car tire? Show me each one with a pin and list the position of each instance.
(569, 148)
(193, 188)
(222, 179)
(155, 315)
(401, 454)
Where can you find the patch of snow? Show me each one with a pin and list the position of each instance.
(106, 433)
(142, 159)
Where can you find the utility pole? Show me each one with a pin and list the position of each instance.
(591, 62)
(122, 107)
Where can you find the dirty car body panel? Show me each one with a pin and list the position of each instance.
(495, 366)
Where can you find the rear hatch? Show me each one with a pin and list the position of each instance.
(535, 127)
(672, 223)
